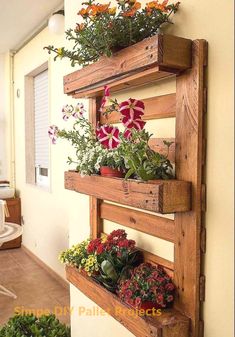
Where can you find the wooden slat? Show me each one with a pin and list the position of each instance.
(155, 108)
(155, 259)
(96, 225)
(170, 323)
(170, 52)
(157, 145)
(189, 140)
(123, 82)
(143, 222)
(161, 196)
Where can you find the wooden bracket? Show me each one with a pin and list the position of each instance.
(201, 328)
(203, 240)
(203, 197)
(202, 287)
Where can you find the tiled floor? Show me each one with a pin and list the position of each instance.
(35, 288)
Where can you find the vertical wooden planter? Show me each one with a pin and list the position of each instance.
(148, 61)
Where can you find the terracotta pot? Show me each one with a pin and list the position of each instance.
(148, 307)
(106, 171)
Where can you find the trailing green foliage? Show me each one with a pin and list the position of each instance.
(31, 326)
(106, 29)
(141, 161)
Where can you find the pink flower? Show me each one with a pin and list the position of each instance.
(170, 298)
(137, 124)
(170, 286)
(127, 134)
(128, 293)
(108, 136)
(78, 111)
(138, 301)
(132, 108)
(53, 133)
(104, 98)
(67, 111)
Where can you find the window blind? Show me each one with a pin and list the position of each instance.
(41, 119)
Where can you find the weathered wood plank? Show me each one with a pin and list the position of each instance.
(161, 196)
(189, 140)
(143, 222)
(157, 145)
(155, 108)
(123, 82)
(96, 224)
(171, 53)
(170, 323)
(155, 259)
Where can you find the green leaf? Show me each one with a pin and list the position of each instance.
(108, 269)
(129, 173)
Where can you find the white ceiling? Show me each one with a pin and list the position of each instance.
(21, 18)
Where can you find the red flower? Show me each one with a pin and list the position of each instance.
(137, 124)
(144, 286)
(138, 301)
(126, 244)
(127, 134)
(123, 244)
(100, 249)
(160, 298)
(93, 245)
(117, 235)
(170, 286)
(104, 98)
(170, 298)
(132, 108)
(108, 136)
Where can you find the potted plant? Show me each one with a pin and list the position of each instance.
(103, 29)
(107, 260)
(149, 287)
(91, 154)
(32, 326)
(109, 151)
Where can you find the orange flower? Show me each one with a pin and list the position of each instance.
(133, 10)
(83, 12)
(79, 27)
(156, 5)
(112, 10)
(94, 10)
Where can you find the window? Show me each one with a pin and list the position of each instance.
(41, 122)
(37, 121)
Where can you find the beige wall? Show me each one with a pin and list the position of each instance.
(5, 117)
(45, 212)
(49, 216)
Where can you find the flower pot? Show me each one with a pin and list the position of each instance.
(106, 171)
(148, 307)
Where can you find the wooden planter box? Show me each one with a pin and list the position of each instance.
(170, 323)
(149, 60)
(161, 196)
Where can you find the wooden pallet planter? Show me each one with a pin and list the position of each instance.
(161, 196)
(170, 323)
(158, 57)
(153, 58)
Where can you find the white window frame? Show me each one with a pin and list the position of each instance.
(33, 174)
